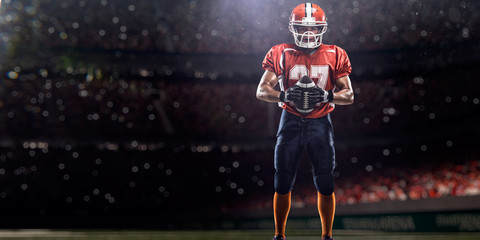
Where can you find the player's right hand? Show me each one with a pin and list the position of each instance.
(292, 94)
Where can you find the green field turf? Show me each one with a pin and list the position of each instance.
(224, 235)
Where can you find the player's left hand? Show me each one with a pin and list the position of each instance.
(317, 95)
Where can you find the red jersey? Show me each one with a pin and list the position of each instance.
(324, 66)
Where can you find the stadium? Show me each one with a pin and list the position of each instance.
(137, 119)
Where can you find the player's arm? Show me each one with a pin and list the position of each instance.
(265, 89)
(345, 94)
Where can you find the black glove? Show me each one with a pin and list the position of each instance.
(318, 95)
(291, 95)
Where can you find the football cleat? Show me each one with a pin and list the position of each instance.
(278, 237)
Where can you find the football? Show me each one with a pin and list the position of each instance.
(304, 106)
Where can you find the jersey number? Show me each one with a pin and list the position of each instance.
(319, 72)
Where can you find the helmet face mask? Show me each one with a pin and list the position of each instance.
(308, 24)
(308, 38)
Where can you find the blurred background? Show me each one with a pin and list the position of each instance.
(141, 113)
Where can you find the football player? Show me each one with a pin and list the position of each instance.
(329, 67)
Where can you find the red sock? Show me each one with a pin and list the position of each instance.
(281, 208)
(326, 209)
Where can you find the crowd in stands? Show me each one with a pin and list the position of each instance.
(201, 132)
(103, 141)
(50, 105)
(386, 184)
(53, 107)
(138, 178)
(447, 179)
(239, 27)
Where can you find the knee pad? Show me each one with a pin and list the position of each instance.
(324, 182)
(284, 182)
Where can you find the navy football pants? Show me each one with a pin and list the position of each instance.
(296, 135)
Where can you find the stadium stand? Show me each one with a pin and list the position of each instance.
(114, 109)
